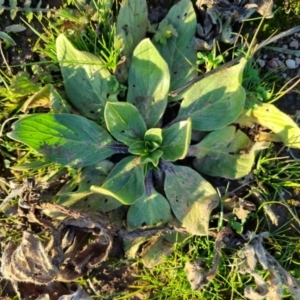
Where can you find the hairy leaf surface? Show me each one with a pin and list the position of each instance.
(124, 122)
(176, 140)
(69, 140)
(149, 210)
(179, 50)
(131, 27)
(225, 152)
(85, 79)
(125, 182)
(215, 101)
(191, 197)
(82, 197)
(148, 82)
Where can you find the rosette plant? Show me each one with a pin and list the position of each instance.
(139, 150)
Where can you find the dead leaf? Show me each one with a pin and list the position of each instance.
(196, 274)
(28, 262)
(76, 245)
(239, 206)
(218, 17)
(253, 253)
(79, 260)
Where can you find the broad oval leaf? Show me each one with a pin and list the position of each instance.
(82, 197)
(176, 140)
(215, 101)
(125, 182)
(149, 210)
(138, 148)
(280, 123)
(224, 153)
(191, 197)
(148, 82)
(69, 140)
(153, 135)
(179, 50)
(124, 122)
(85, 79)
(132, 24)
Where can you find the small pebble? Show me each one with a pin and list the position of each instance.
(272, 63)
(284, 75)
(285, 46)
(294, 44)
(297, 59)
(291, 64)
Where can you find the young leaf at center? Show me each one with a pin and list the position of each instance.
(176, 140)
(124, 122)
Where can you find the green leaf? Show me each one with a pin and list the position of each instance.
(191, 197)
(124, 122)
(85, 79)
(69, 140)
(132, 24)
(221, 153)
(176, 140)
(152, 157)
(153, 135)
(82, 197)
(164, 32)
(125, 182)
(149, 210)
(215, 101)
(280, 123)
(148, 82)
(138, 148)
(179, 51)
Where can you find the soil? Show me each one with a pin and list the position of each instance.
(113, 276)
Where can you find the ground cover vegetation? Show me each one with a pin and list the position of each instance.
(127, 140)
